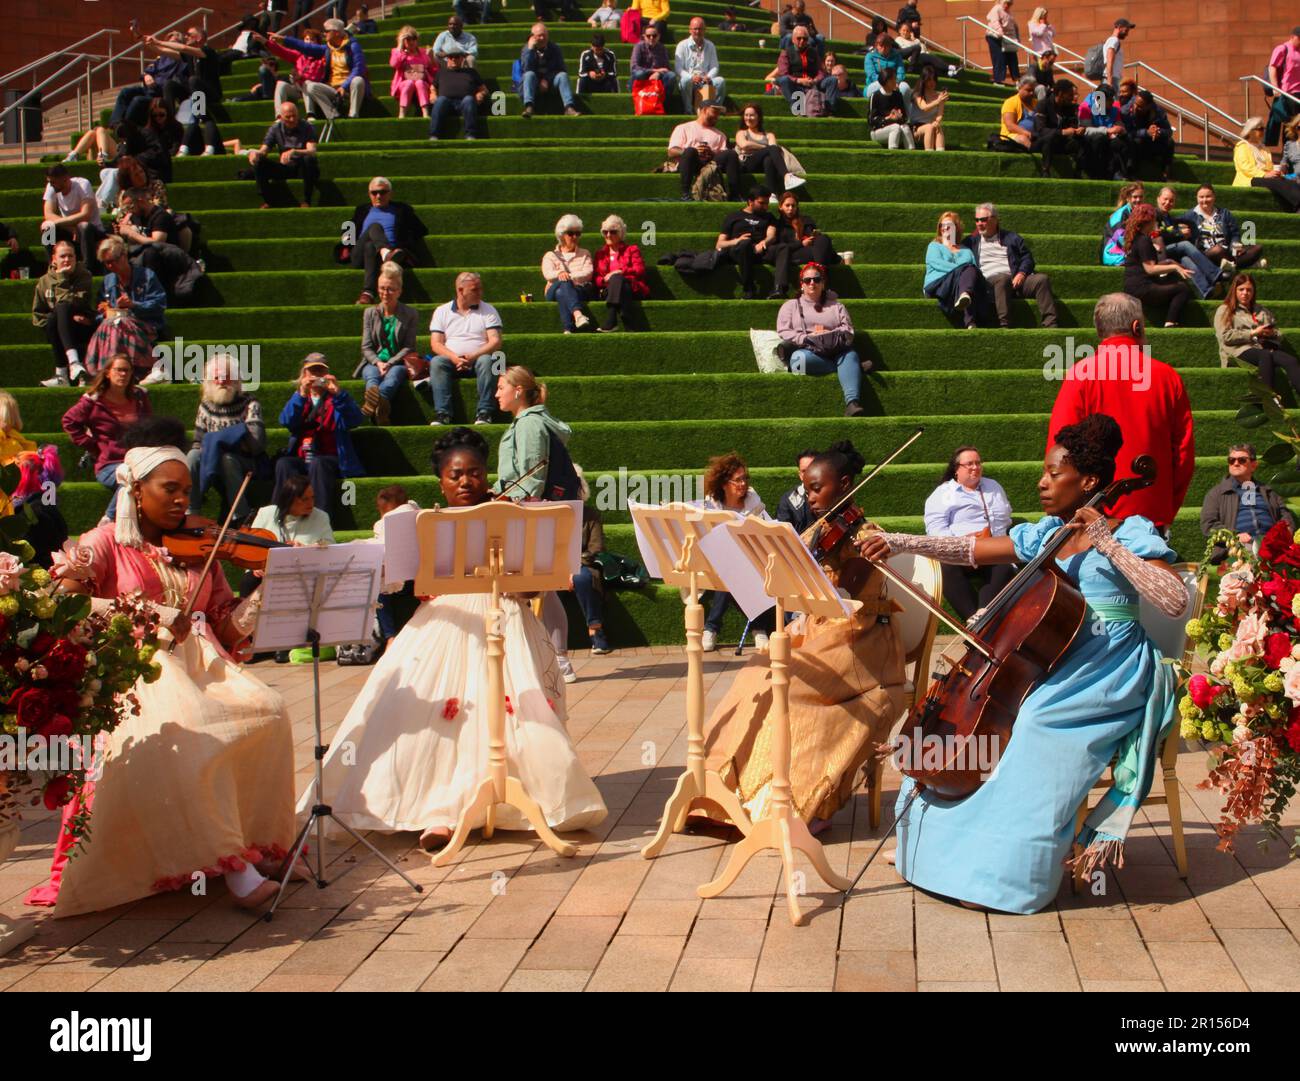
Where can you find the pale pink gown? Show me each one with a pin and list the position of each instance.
(201, 780)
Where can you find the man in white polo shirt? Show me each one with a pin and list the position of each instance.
(463, 335)
(70, 209)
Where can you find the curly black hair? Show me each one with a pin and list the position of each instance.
(458, 439)
(156, 430)
(1092, 446)
(843, 457)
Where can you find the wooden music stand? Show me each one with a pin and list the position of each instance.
(797, 584)
(507, 537)
(669, 537)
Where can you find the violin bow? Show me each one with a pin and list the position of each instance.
(920, 431)
(221, 533)
(521, 478)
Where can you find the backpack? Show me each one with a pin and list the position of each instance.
(561, 478)
(709, 186)
(648, 97)
(620, 572)
(1094, 64)
(629, 27)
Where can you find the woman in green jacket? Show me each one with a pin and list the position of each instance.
(64, 307)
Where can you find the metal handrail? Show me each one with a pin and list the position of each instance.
(1179, 86)
(56, 53)
(875, 15)
(383, 14)
(1248, 79)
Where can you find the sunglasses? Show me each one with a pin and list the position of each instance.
(1239, 461)
(609, 232)
(380, 191)
(981, 221)
(573, 232)
(811, 281)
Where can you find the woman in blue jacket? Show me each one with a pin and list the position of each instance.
(320, 416)
(952, 276)
(132, 308)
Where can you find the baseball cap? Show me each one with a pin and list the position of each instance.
(453, 50)
(1124, 24)
(315, 362)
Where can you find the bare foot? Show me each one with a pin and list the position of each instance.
(433, 839)
(260, 896)
(889, 858)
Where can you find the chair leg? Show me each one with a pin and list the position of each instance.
(875, 782)
(1174, 804)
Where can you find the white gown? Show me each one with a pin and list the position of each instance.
(399, 762)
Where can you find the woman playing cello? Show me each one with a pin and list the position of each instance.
(1003, 847)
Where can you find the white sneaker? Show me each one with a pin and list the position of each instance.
(183, 152)
(846, 257)
(760, 642)
(72, 156)
(792, 181)
(580, 320)
(209, 151)
(963, 302)
(566, 668)
(155, 376)
(709, 641)
(59, 379)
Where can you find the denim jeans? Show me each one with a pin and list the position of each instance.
(570, 298)
(829, 87)
(463, 10)
(718, 605)
(528, 87)
(847, 367)
(589, 597)
(1204, 272)
(107, 476)
(441, 373)
(467, 107)
(231, 470)
(388, 384)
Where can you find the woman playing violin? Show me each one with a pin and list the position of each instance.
(201, 778)
(1003, 847)
(846, 675)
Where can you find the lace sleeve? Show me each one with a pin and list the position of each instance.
(1161, 588)
(944, 549)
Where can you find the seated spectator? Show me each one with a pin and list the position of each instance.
(1150, 132)
(1043, 69)
(791, 20)
(1021, 124)
(1144, 266)
(597, 68)
(295, 141)
(844, 86)
(728, 22)
(1242, 504)
(887, 115)
(568, 269)
(268, 75)
(62, 307)
(1112, 237)
(133, 101)
(1255, 167)
(458, 35)
(320, 416)
(793, 507)
(1248, 332)
(1174, 236)
(132, 307)
(457, 87)
(344, 79)
(653, 13)
(606, 17)
(620, 274)
(1216, 233)
(910, 16)
(1108, 152)
(909, 47)
(695, 64)
(112, 403)
(798, 241)
(817, 336)
(1291, 150)
(413, 71)
(546, 9)
(293, 516)
(362, 23)
(1007, 266)
(128, 175)
(726, 487)
(201, 135)
(800, 67)
(155, 144)
(926, 115)
(464, 334)
(1003, 33)
(757, 150)
(967, 502)
(389, 349)
(882, 58)
(588, 584)
(696, 143)
(306, 70)
(650, 61)
(541, 67)
(748, 236)
(1126, 96)
(952, 277)
(39, 474)
(71, 212)
(152, 234)
(1059, 115)
(467, 9)
(229, 438)
(386, 231)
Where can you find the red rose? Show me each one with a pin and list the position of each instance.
(57, 792)
(509, 708)
(59, 725)
(1281, 591)
(65, 662)
(1276, 647)
(38, 645)
(1277, 543)
(1293, 736)
(1202, 692)
(34, 707)
(450, 709)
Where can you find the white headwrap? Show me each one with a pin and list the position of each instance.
(139, 463)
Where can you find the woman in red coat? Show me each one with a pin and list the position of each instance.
(620, 273)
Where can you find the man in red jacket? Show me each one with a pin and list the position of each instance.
(1147, 399)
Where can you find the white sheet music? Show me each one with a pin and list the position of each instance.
(743, 580)
(350, 576)
(647, 551)
(402, 550)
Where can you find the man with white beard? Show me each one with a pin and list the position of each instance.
(229, 436)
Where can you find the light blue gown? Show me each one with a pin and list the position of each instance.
(1003, 847)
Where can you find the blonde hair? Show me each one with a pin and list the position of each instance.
(1038, 15)
(614, 222)
(407, 32)
(111, 248)
(392, 271)
(11, 420)
(523, 378)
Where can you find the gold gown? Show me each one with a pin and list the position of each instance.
(846, 691)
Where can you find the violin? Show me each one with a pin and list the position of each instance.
(1026, 629)
(827, 537)
(195, 542)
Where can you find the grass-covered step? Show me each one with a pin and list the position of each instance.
(679, 352)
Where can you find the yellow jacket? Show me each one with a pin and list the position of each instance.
(651, 9)
(1250, 163)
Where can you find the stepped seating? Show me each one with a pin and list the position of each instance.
(649, 409)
